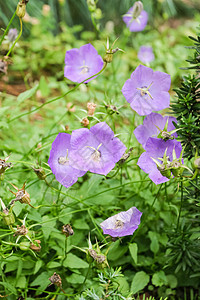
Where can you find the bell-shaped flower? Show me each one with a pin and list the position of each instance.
(123, 223)
(136, 18)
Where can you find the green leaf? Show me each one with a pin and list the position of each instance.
(42, 281)
(159, 279)
(38, 265)
(9, 287)
(27, 94)
(75, 278)
(172, 281)
(133, 248)
(21, 282)
(53, 264)
(154, 246)
(73, 261)
(140, 280)
(43, 86)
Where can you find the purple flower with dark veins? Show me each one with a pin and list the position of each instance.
(123, 223)
(82, 63)
(96, 150)
(136, 18)
(147, 90)
(145, 54)
(156, 149)
(60, 161)
(150, 127)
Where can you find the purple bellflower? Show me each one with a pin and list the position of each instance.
(150, 127)
(82, 63)
(96, 150)
(136, 18)
(60, 161)
(147, 90)
(145, 54)
(123, 223)
(156, 149)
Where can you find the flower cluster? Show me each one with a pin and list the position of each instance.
(95, 150)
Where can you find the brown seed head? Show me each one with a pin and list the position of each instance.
(67, 230)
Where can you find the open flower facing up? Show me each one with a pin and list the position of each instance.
(147, 91)
(151, 125)
(82, 63)
(157, 149)
(96, 150)
(136, 18)
(123, 223)
(145, 54)
(60, 162)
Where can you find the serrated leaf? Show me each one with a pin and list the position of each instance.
(140, 280)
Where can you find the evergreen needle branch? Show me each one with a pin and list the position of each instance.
(179, 215)
(7, 28)
(18, 37)
(57, 98)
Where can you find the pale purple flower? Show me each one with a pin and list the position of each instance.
(145, 54)
(60, 161)
(12, 34)
(136, 18)
(96, 150)
(147, 91)
(82, 63)
(155, 148)
(123, 223)
(149, 129)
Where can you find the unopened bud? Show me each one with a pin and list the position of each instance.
(56, 279)
(67, 230)
(36, 247)
(91, 108)
(85, 122)
(40, 173)
(21, 9)
(8, 217)
(91, 5)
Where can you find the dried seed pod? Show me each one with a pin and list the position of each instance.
(21, 230)
(67, 230)
(36, 247)
(56, 279)
(91, 108)
(85, 122)
(21, 195)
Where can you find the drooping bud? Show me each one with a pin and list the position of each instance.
(21, 9)
(67, 230)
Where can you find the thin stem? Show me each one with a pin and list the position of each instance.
(57, 98)
(88, 271)
(19, 35)
(179, 215)
(7, 28)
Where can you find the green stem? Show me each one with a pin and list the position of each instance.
(18, 37)
(57, 98)
(7, 28)
(179, 215)
(88, 271)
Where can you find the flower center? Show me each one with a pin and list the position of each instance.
(96, 154)
(84, 69)
(119, 224)
(63, 160)
(144, 91)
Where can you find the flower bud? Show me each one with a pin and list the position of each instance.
(67, 230)
(21, 9)
(8, 217)
(40, 173)
(196, 163)
(36, 247)
(85, 122)
(25, 246)
(91, 5)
